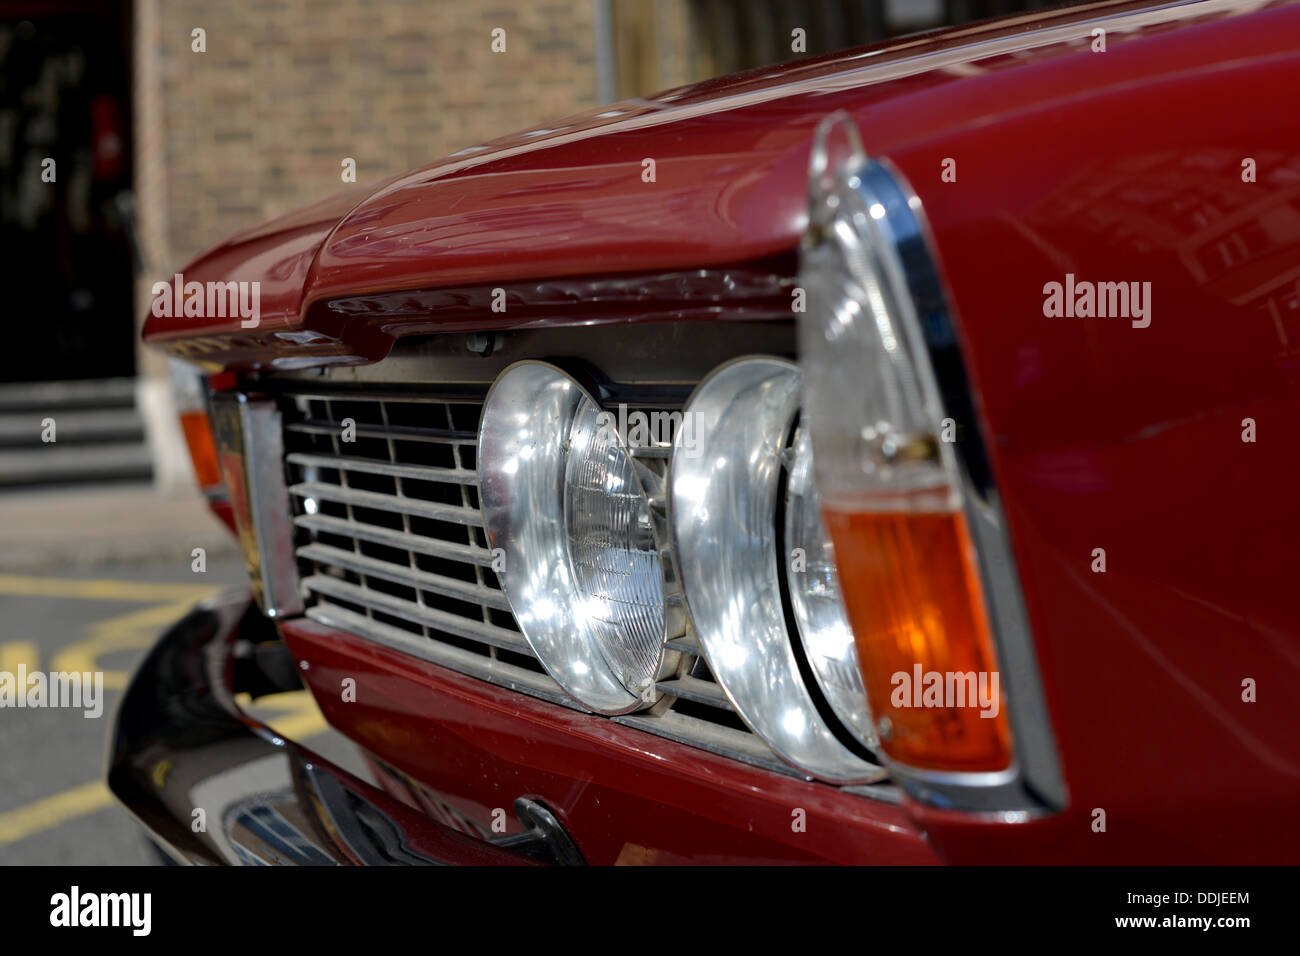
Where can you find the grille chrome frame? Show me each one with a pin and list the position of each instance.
(348, 538)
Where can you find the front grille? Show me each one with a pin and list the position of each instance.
(391, 547)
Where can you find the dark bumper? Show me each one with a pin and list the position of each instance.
(180, 744)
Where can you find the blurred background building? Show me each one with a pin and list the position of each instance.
(160, 151)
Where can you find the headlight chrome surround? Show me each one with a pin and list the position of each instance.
(821, 623)
(723, 495)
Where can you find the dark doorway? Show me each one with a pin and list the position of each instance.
(65, 95)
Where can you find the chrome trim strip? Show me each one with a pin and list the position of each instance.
(249, 436)
(716, 739)
(663, 355)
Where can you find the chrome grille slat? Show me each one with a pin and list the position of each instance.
(401, 540)
(421, 580)
(700, 691)
(402, 433)
(687, 644)
(369, 466)
(410, 611)
(380, 502)
(465, 662)
(373, 395)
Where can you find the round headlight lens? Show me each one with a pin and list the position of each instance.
(819, 612)
(724, 491)
(582, 572)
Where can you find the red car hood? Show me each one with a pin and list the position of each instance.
(424, 252)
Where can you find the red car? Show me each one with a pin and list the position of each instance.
(789, 468)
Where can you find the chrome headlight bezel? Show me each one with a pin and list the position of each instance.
(723, 504)
(821, 624)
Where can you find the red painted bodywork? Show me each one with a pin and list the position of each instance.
(625, 795)
(1116, 166)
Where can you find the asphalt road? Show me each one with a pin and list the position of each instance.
(54, 808)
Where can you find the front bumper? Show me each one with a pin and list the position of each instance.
(214, 785)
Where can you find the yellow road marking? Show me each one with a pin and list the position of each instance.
(293, 715)
(131, 631)
(100, 589)
(159, 772)
(49, 812)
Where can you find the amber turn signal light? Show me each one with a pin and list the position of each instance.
(915, 603)
(190, 394)
(203, 449)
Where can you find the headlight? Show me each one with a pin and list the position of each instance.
(724, 492)
(562, 501)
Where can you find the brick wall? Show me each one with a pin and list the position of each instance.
(260, 123)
